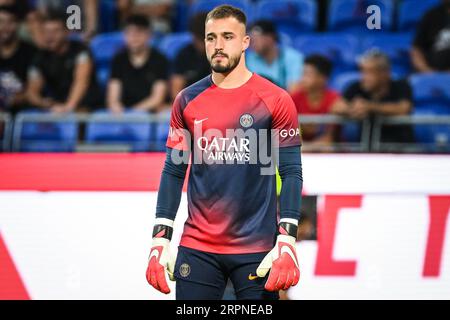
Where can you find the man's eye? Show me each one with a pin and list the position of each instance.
(229, 37)
(210, 39)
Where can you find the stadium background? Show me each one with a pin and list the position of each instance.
(76, 210)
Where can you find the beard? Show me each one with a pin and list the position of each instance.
(227, 68)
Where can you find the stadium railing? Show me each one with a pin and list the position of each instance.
(6, 125)
(434, 136)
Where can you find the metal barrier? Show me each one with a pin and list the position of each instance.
(370, 132)
(380, 121)
(361, 146)
(6, 120)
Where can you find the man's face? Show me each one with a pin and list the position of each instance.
(312, 78)
(261, 43)
(373, 74)
(225, 43)
(8, 27)
(136, 38)
(55, 34)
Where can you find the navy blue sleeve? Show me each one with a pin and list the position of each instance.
(290, 170)
(171, 185)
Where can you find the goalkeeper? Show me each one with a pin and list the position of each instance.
(232, 230)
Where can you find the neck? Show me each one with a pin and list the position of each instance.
(62, 48)
(233, 79)
(382, 89)
(8, 48)
(140, 52)
(315, 93)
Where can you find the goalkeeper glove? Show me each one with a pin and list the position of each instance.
(160, 259)
(282, 259)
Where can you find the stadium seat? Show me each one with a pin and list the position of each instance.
(46, 136)
(108, 16)
(104, 47)
(432, 88)
(207, 5)
(343, 80)
(351, 15)
(136, 135)
(432, 97)
(396, 46)
(171, 44)
(340, 48)
(291, 16)
(411, 11)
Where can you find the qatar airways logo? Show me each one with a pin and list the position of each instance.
(234, 146)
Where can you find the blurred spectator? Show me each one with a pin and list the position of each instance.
(62, 77)
(158, 11)
(378, 94)
(280, 64)
(89, 10)
(139, 72)
(191, 63)
(15, 59)
(314, 97)
(431, 47)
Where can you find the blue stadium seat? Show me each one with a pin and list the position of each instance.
(411, 11)
(48, 136)
(291, 16)
(340, 48)
(396, 46)
(108, 21)
(136, 135)
(432, 88)
(105, 46)
(431, 97)
(207, 5)
(343, 80)
(351, 15)
(171, 44)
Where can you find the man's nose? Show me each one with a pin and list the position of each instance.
(219, 44)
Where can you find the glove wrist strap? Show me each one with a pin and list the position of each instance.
(288, 229)
(162, 231)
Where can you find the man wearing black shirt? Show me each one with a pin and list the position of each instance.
(431, 47)
(191, 64)
(62, 78)
(378, 94)
(15, 58)
(139, 73)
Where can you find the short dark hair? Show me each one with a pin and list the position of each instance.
(55, 16)
(322, 64)
(9, 9)
(227, 11)
(197, 25)
(138, 20)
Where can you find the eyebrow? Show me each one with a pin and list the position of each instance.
(226, 33)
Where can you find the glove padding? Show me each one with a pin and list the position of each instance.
(282, 259)
(160, 261)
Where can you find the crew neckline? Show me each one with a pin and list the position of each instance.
(215, 86)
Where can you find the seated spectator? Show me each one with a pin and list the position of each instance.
(158, 11)
(191, 63)
(378, 94)
(139, 72)
(62, 77)
(15, 59)
(431, 46)
(280, 64)
(314, 97)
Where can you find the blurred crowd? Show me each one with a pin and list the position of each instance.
(44, 65)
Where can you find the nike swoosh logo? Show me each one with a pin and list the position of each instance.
(199, 121)
(250, 277)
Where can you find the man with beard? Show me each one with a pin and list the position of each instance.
(233, 230)
(15, 59)
(62, 78)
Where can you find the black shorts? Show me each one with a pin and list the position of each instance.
(203, 276)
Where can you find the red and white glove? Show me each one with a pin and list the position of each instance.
(160, 259)
(282, 260)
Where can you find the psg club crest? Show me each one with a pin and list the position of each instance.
(246, 120)
(185, 269)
